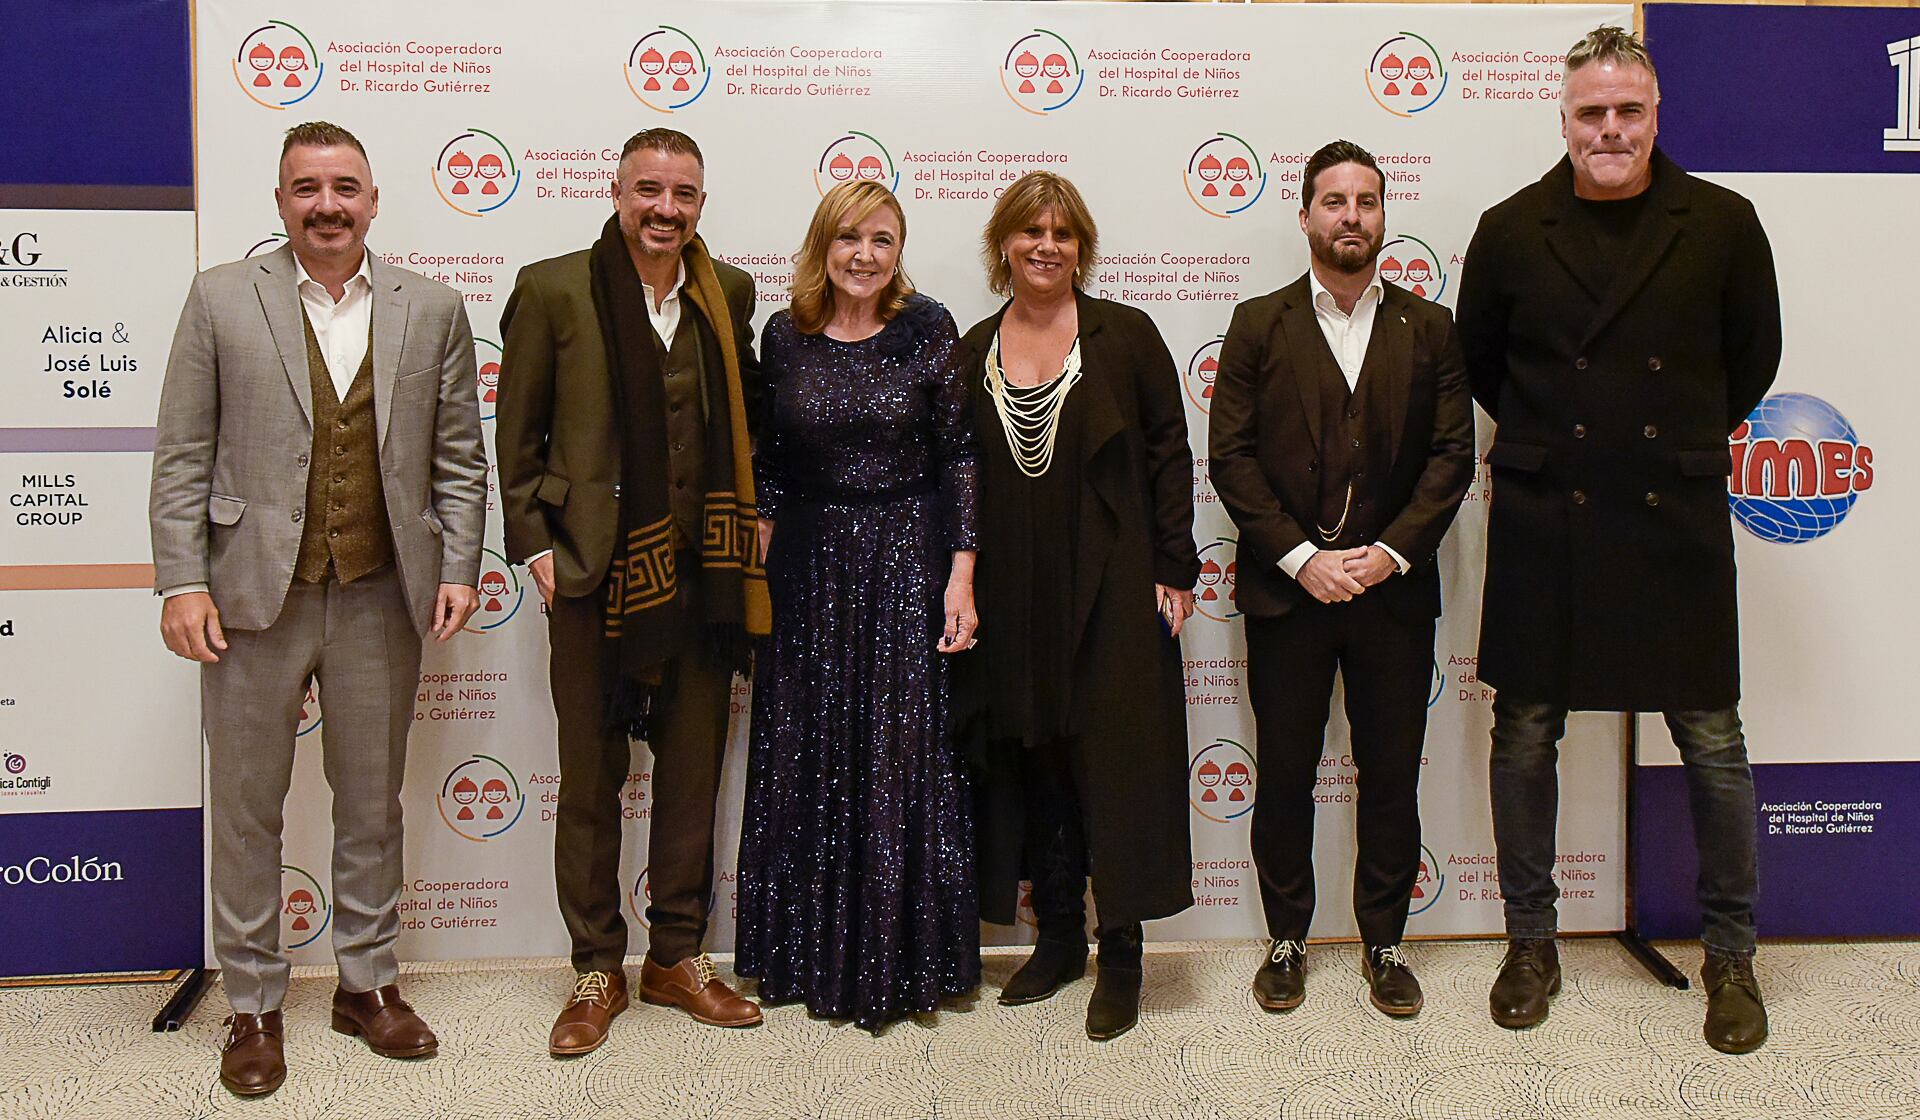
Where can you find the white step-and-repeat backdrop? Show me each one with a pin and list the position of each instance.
(493, 135)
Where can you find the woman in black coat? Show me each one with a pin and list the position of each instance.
(1074, 705)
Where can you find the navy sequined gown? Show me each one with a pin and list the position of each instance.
(856, 888)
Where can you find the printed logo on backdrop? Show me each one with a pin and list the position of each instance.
(1041, 72)
(1412, 264)
(481, 798)
(501, 593)
(23, 263)
(1225, 176)
(1203, 369)
(305, 911)
(475, 173)
(309, 720)
(639, 897)
(486, 363)
(1429, 883)
(1406, 75)
(265, 245)
(1214, 595)
(16, 781)
(1904, 56)
(857, 155)
(1798, 467)
(277, 65)
(667, 70)
(1220, 781)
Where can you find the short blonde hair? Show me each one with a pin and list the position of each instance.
(844, 207)
(1032, 195)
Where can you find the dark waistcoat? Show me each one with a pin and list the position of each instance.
(1356, 455)
(344, 533)
(685, 373)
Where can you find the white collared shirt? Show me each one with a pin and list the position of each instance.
(666, 317)
(1348, 335)
(341, 328)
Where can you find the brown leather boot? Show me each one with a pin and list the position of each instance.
(1736, 1017)
(694, 987)
(583, 1022)
(253, 1060)
(386, 1021)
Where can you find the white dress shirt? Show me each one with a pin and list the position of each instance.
(1348, 335)
(341, 329)
(666, 324)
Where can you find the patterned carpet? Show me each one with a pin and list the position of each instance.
(1846, 1045)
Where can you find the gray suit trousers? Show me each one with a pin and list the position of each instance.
(359, 641)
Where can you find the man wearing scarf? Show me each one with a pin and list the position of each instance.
(627, 486)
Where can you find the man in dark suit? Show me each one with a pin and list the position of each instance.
(1620, 318)
(1342, 444)
(627, 489)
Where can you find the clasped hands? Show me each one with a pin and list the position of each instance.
(1336, 575)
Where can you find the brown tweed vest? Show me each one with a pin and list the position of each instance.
(344, 533)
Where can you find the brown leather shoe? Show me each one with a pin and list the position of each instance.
(253, 1060)
(582, 1025)
(385, 1021)
(694, 987)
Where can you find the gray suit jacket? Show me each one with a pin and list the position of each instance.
(235, 433)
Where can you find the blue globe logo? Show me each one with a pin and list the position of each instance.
(1798, 468)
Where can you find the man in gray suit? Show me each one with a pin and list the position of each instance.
(319, 491)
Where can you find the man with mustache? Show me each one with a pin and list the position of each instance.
(1342, 444)
(1620, 318)
(318, 495)
(627, 489)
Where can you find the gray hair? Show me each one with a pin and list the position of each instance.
(1609, 44)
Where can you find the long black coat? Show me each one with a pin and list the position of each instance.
(1610, 577)
(1125, 698)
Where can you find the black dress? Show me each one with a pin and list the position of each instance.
(856, 851)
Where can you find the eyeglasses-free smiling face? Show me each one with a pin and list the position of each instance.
(1043, 255)
(327, 200)
(862, 257)
(658, 197)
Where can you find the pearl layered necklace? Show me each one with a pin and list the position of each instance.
(1031, 419)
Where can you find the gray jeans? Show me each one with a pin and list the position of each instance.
(1525, 786)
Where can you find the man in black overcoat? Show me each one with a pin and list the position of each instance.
(1341, 444)
(1620, 318)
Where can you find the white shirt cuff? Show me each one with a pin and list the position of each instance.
(183, 589)
(1293, 561)
(1399, 561)
(549, 552)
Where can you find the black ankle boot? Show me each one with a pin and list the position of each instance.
(1055, 961)
(1115, 1005)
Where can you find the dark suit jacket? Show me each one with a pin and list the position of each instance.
(1265, 441)
(1610, 578)
(555, 437)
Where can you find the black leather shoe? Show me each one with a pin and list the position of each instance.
(1529, 978)
(1115, 1006)
(1736, 1019)
(1052, 964)
(1391, 984)
(1281, 983)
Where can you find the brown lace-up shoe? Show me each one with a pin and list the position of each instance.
(253, 1060)
(583, 1022)
(386, 1021)
(696, 988)
(1736, 1017)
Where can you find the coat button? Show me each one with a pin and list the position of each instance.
(1356, 443)
(302, 460)
(1579, 497)
(296, 517)
(1579, 363)
(1650, 431)
(679, 446)
(1313, 464)
(1653, 364)
(1653, 499)
(333, 532)
(1579, 431)
(616, 489)
(1353, 414)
